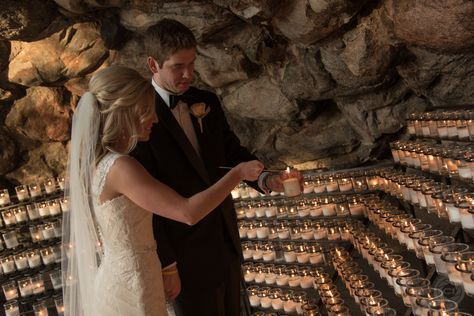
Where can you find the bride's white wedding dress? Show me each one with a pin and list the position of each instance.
(129, 280)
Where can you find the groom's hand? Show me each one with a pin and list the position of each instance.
(171, 283)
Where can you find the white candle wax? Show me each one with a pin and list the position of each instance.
(41, 312)
(262, 232)
(328, 209)
(243, 232)
(20, 215)
(331, 186)
(54, 208)
(316, 211)
(270, 278)
(283, 234)
(21, 262)
(270, 211)
(22, 194)
(9, 218)
(302, 257)
(34, 260)
(345, 186)
(289, 307)
(266, 302)
(252, 233)
(48, 257)
(35, 190)
(306, 282)
(4, 197)
(235, 193)
(249, 276)
(253, 193)
(308, 188)
(282, 280)
(11, 241)
(316, 258)
(467, 220)
(294, 281)
(257, 254)
(290, 256)
(319, 188)
(259, 212)
(268, 255)
(8, 265)
(303, 211)
(291, 187)
(254, 300)
(38, 286)
(468, 285)
(12, 311)
(259, 277)
(277, 304)
(47, 231)
(43, 210)
(320, 233)
(307, 234)
(64, 205)
(356, 209)
(50, 186)
(453, 213)
(26, 289)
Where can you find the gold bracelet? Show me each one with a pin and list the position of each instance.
(169, 272)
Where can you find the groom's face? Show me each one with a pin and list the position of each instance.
(177, 72)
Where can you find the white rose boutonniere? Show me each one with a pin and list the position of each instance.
(199, 111)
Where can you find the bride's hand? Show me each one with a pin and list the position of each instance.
(250, 170)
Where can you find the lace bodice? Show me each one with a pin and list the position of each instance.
(129, 278)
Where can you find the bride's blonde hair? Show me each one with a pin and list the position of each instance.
(125, 101)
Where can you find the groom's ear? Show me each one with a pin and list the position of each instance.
(152, 64)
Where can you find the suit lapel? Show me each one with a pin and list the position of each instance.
(166, 118)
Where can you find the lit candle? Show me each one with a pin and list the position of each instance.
(10, 291)
(20, 261)
(308, 187)
(25, 286)
(35, 190)
(50, 186)
(47, 256)
(345, 185)
(319, 186)
(47, 231)
(43, 209)
(38, 284)
(8, 264)
(34, 258)
(54, 208)
(4, 197)
(9, 217)
(40, 309)
(20, 214)
(61, 182)
(59, 306)
(12, 308)
(22, 193)
(291, 184)
(64, 205)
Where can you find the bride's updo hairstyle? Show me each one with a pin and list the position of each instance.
(125, 101)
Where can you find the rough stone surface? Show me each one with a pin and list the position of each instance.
(309, 83)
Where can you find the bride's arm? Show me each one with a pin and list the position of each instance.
(129, 177)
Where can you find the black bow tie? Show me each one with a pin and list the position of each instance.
(174, 99)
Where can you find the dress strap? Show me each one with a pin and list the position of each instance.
(102, 170)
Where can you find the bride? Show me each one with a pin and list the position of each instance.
(110, 262)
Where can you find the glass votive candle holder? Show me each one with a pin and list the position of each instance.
(4, 197)
(10, 290)
(283, 232)
(412, 287)
(299, 298)
(34, 258)
(434, 242)
(22, 193)
(289, 253)
(21, 262)
(54, 208)
(339, 310)
(333, 301)
(35, 190)
(25, 286)
(274, 294)
(8, 264)
(11, 239)
(40, 309)
(43, 209)
(32, 211)
(20, 214)
(321, 280)
(345, 184)
(50, 185)
(9, 217)
(64, 205)
(328, 294)
(366, 293)
(56, 279)
(445, 250)
(422, 243)
(57, 227)
(11, 308)
(439, 307)
(61, 182)
(248, 272)
(400, 277)
(37, 284)
(379, 311)
(367, 302)
(423, 297)
(58, 302)
(263, 295)
(310, 309)
(47, 231)
(35, 233)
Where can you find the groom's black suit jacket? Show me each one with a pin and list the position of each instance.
(170, 158)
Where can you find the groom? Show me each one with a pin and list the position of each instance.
(201, 263)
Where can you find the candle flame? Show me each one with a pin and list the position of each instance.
(288, 169)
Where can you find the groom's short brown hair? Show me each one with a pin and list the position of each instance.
(166, 37)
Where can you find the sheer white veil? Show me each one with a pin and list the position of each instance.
(81, 251)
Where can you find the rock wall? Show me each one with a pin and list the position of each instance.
(310, 83)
